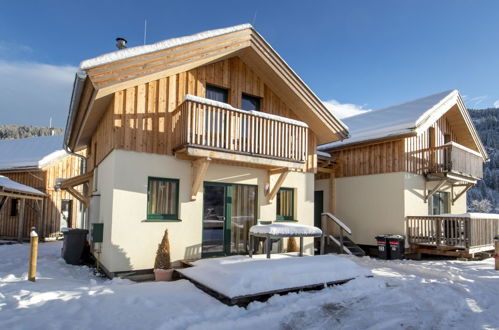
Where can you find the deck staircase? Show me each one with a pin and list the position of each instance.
(339, 242)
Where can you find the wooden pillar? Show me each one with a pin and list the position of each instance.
(22, 203)
(332, 193)
(33, 255)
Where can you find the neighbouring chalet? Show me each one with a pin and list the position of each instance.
(40, 163)
(202, 135)
(402, 168)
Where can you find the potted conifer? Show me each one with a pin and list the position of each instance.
(292, 246)
(162, 267)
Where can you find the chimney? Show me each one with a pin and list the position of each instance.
(121, 43)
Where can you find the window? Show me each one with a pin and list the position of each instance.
(286, 204)
(14, 207)
(217, 93)
(438, 203)
(249, 102)
(162, 199)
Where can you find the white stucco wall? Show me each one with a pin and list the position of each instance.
(131, 241)
(371, 205)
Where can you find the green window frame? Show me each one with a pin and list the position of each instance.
(285, 208)
(162, 208)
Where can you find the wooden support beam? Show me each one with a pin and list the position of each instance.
(273, 190)
(429, 194)
(22, 204)
(199, 168)
(468, 187)
(78, 195)
(326, 170)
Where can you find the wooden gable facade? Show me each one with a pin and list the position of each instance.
(46, 217)
(140, 118)
(446, 140)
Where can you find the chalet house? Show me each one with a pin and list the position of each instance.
(38, 162)
(201, 135)
(403, 166)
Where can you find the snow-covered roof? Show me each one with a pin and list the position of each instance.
(394, 120)
(161, 45)
(34, 152)
(13, 186)
(227, 106)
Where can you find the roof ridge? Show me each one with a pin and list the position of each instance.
(160, 45)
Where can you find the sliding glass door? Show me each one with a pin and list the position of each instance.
(229, 210)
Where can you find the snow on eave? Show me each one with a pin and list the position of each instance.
(436, 111)
(227, 106)
(14, 186)
(161, 45)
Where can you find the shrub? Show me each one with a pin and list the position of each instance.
(163, 254)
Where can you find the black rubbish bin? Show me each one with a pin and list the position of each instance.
(74, 243)
(397, 246)
(383, 247)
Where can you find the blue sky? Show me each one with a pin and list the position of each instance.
(355, 54)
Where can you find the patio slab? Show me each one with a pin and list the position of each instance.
(238, 280)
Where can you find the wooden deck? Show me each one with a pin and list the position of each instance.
(459, 235)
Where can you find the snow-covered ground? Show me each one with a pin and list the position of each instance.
(403, 294)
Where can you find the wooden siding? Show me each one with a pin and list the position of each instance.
(376, 158)
(43, 180)
(389, 156)
(140, 118)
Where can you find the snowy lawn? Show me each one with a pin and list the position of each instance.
(403, 294)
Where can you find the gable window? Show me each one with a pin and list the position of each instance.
(285, 204)
(249, 102)
(438, 203)
(217, 93)
(162, 199)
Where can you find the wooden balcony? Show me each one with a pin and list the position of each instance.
(209, 129)
(454, 235)
(451, 158)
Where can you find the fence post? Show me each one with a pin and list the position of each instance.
(33, 255)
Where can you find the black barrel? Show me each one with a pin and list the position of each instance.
(74, 243)
(397, 246)
(383, 247)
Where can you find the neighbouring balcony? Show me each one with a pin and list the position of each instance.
(205, 128)
(451, 158)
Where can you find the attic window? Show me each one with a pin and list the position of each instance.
(217, 93)
(249, 102)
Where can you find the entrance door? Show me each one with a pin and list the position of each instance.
(228, 213)
(318, 207)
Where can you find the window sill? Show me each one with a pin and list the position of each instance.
(162, 220)
(286, 220)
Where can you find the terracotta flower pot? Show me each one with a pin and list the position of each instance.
(163, 274)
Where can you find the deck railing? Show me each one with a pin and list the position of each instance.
(451, 157)
(447, 231)
(203, 125)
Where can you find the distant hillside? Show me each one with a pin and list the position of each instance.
(484, 197)
(18, 132)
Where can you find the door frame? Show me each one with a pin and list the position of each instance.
(228, 217)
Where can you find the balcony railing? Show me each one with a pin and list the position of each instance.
(204, 124)
(449, 158)
(470, 231)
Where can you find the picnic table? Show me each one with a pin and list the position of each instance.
(281, 230)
